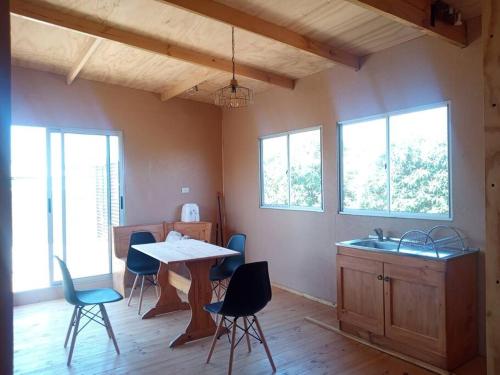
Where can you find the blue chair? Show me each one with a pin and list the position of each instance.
(140, 264)
(248, 292)
(220, 273)
(85, 301)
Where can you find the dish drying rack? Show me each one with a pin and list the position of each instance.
(439, 237)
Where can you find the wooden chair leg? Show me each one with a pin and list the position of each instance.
(75, 333)
(214, 340)
(108, 326)
(132, 290)
(215, 288)
(233, 344)
(101, 308)
(71, 324)
(261, 334)
(246, 334)
(223, 287)
(140, 296)
(157, 289)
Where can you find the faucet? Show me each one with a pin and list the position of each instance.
(380, 233)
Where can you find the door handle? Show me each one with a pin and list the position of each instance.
(380, 277)
(387, 279)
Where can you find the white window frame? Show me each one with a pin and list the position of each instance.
(389, 213)
(261, 171)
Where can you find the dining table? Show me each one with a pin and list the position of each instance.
(195, 258)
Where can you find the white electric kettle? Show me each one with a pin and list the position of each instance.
(190, 212)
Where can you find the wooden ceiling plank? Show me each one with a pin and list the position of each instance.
(99, 30)
(239, 19)
(182, 87)
(417, 15)
(85, 56)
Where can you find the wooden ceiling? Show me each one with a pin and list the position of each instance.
(353, 29)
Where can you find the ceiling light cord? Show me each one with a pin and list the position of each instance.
(233, 95)
(232, 35)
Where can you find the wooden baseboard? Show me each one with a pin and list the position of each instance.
(403, 357)
(305, 295)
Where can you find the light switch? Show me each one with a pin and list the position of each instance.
(184, 190)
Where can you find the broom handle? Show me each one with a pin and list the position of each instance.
(220, 219)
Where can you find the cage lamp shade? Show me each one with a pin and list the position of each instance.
(234, 96)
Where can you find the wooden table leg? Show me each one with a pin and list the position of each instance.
(200, 293)
(169, 299)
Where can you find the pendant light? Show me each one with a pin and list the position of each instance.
(233, 95)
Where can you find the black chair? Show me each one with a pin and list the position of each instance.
(248, 292)
(142, 265)
(225, 269)
(85, 301)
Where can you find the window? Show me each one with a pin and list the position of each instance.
(396, 164)
(291, 170)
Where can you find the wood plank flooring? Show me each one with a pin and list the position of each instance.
(297, 346)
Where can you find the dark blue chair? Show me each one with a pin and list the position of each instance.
(142, 265)
(220, 273)
(248, 292)
(85, 301)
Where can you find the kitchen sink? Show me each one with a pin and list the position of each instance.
(376, 244)
(391, 245)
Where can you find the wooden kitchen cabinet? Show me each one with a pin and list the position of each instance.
(425, 308)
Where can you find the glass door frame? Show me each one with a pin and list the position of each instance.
(121, 179)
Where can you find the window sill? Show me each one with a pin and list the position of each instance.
(286, 208)
(396, 216)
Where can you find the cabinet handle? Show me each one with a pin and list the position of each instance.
(387, 279)
(380, 277)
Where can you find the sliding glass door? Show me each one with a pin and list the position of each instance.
(78, 185)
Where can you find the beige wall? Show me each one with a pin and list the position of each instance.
(300, 246)
(167, 145)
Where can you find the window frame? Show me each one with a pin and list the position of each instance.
(288, 206)
(391, 214)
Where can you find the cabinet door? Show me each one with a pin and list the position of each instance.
(360, 293)
(415, 306)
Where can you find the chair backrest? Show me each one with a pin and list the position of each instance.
(249, 290)
(68, 286)
(237, 243)
(136, 257)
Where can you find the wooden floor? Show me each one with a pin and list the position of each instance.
(298, 347)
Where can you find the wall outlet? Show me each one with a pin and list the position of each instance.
(184, 190)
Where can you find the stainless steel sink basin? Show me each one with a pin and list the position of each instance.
(376, 244)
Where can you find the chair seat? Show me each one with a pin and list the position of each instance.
(143, 269)
(218, 273)
(96, 296)
(213, 308)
